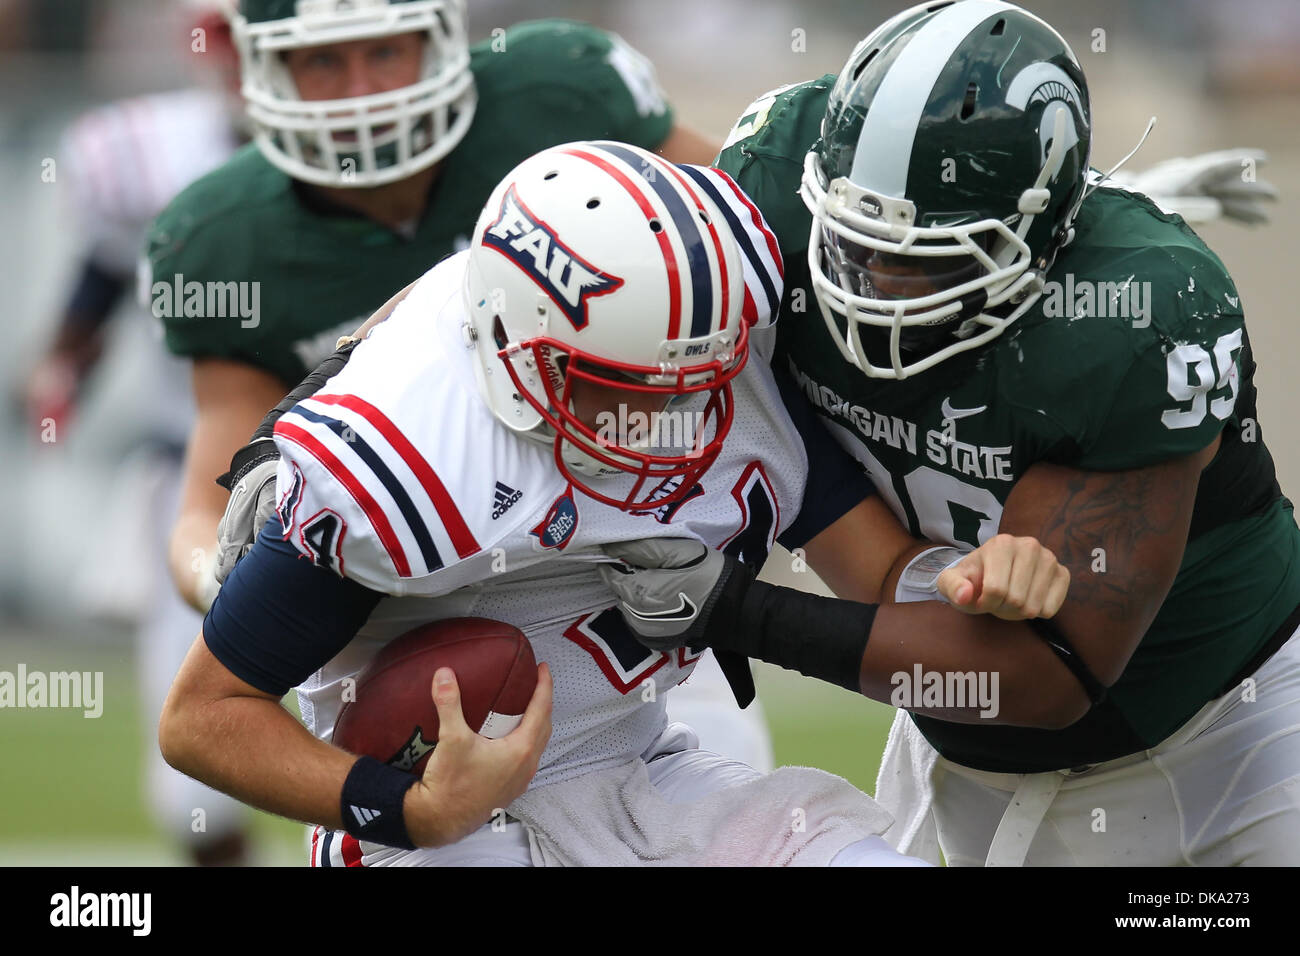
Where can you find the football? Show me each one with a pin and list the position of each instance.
(393, 717)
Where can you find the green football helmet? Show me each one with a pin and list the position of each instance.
(362, 140)
(951, 164)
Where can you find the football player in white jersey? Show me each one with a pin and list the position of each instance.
(576, 379)
(470, 120)
(124, 162)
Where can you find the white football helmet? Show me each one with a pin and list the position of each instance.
(362, 140)
(604, 263)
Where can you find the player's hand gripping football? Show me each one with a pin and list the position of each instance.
(1011, 578)
(470, 777)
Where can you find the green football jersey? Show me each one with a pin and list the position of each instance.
(246, 264)
(1136, 353)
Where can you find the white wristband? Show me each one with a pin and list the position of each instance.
(920, 579)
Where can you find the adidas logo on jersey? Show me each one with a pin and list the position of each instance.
(504, 498)
(529, 243)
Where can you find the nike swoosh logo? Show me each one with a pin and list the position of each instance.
(950, 413)
(685, 611)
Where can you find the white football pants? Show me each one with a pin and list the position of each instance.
(1223, 790)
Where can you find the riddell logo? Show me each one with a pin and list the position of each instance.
(532, 245)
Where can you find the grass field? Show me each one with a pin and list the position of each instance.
(72, 787)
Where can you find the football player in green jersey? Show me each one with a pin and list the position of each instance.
(379, 133)
(1008, 344)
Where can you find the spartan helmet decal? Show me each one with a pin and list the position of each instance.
(952, 161)
(1047, 83)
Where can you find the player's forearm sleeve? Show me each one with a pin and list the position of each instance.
(260, 447)
(817, 636)
(278, 618)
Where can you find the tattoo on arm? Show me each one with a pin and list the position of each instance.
(1122, 536)
(1104, 522)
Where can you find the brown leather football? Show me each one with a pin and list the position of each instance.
(393, 718)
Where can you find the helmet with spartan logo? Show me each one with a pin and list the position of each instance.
(951, 164)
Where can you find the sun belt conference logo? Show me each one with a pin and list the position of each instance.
(533, 246)
(561, 521)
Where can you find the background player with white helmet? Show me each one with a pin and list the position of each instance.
(600, 278)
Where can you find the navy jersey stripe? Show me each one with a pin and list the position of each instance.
(428, 551)
(688, 227)
(743, 238)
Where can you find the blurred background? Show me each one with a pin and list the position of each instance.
(78, 506)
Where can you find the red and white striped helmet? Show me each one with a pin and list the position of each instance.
(603, 262)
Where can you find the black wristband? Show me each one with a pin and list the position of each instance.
(371, 803)
(819, 637)
(1061, 647)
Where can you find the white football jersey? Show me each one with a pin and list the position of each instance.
(396, 475)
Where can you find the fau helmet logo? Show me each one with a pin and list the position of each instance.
(532, 245)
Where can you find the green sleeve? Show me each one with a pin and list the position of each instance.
(765, 152)
(1175, 397)
(180, 255)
